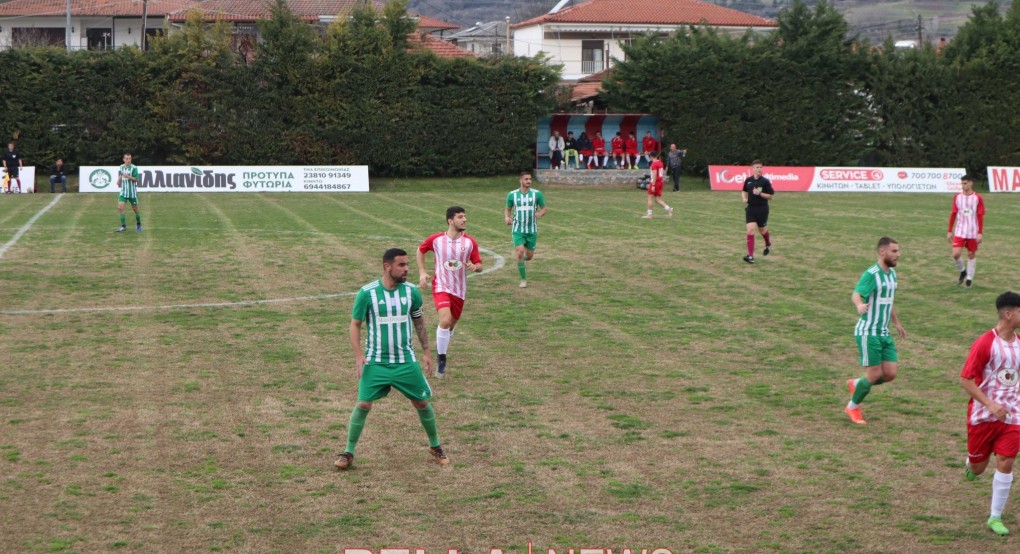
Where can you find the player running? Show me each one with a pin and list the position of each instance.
(456, 253)
(389, 307)
(524, 207)
(873, 298)
(993, 413)
(756, 194)
(966, 228)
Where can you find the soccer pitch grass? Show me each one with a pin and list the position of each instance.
(647, 390)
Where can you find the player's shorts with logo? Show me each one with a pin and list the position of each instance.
(993, 436)
(757, 214)
(447, 300)
(970, 244)
(529, 240)
(377, 379)
(123, 199)
(876, 349)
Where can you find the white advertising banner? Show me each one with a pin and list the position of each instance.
(27, 176)
(348, 178)
(1003, 179)
(842, 179)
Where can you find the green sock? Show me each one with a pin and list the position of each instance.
(862, 388)
(123, 220)
(880, 381)
(138, 217)
(520, 269)
(428, 420)
(358, 417)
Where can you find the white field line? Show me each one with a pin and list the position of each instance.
(499, 264)
(24, 228)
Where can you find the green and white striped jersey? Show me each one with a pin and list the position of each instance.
(387, 313)
(524, 207)
(877, 288)
(128, 188)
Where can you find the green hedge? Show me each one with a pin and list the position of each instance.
(356, 94)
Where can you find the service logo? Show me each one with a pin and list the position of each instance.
(100, 178)
(1007, 377)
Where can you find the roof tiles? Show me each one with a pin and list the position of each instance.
(157, 8)
(650, 12)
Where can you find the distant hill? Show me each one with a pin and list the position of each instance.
(872, 19)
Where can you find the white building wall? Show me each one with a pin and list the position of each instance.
(119, 28)
(527, 41)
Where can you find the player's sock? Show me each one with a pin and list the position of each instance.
(750, 245)
(959, 264)
(768, 239)
(1001, 483)
(649, 212)
(522, 271)
(123, 220)
(667, 208)
(861, 389)
(138, 218)
(442, 340)
(970, 269)
(357, 423)
(427, 416)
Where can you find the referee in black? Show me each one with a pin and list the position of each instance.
(756, 195)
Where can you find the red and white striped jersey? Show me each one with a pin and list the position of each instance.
(451, 255)
(993, 364)
(968, 216)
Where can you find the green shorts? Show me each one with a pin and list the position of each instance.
(875, 350)
(376, 380)
(529, 240)
(132, 201)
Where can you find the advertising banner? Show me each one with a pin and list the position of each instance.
(349, 178)
(842, 179)
(27, 176)
(1003, 179)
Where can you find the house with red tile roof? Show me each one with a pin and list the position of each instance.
(95, 24)
(243, 16)
(585, 36)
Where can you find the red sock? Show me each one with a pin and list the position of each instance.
(768, 239)
(750, 245)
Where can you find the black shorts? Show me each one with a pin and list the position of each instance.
(757, 214)
(13, 172)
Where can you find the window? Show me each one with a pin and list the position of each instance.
(38, 36)
(592, 56)
(100, 38)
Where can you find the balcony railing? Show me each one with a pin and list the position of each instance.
(592, 66)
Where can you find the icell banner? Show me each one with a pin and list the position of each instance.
(1003, 179)
(842, 179)
(350, 178)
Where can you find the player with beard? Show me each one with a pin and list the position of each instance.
(873, 298)
(456, 253)
(388, 308)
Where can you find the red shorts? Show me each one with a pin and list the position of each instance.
(655, 189)
(447, 300)
(970, 244)
(994, 436)
(600, 151)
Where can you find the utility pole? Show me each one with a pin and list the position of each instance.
(508, 52)
(145, 16)
(920, 39)
(67, 27)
